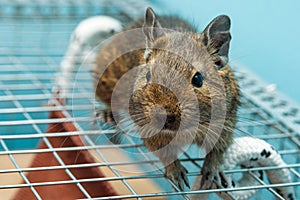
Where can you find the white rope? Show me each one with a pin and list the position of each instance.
(82, 48)
(248, 152)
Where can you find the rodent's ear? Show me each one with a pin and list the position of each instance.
(151, 27)
(216, 37)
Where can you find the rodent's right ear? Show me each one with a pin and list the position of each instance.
(216, 37)
(151, 27)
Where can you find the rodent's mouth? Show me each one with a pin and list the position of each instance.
(149, 131)
(180, 136)
(165, 121)
(179, 126)
(169, 127)
(168, 132)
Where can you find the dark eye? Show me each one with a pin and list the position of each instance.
(218, 63)
(197, 80)
(148, 76)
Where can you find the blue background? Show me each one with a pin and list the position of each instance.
(265, 35)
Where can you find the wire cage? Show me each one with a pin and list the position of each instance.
(48, 146)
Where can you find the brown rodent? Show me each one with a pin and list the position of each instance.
(182, 92)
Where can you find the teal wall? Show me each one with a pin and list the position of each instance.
(265, 35)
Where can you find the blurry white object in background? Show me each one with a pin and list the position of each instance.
(271, 88)
(83, 48)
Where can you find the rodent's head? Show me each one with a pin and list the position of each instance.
(176, 86)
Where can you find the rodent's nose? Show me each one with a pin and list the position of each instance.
(165, 117)
(166, 121)
(168, 118)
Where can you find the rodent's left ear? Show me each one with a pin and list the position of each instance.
(151, 27)
(216, 37)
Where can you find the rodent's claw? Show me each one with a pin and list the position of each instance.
(206, 180)
(178, 175)
(208, 177)
(223, 179)
(185, 179)
(106, 116)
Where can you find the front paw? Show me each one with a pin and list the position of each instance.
(209, 176)
(107, 121)
(106, 116)
(177, 174)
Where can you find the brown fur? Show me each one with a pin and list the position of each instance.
(185, 53)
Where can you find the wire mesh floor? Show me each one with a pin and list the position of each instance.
(31, 52)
